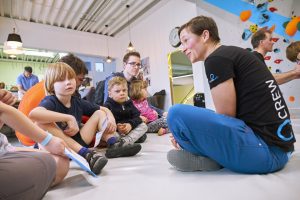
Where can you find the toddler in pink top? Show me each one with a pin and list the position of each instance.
(138, 94)
(143, 106)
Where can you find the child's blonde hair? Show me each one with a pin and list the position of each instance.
(136, 89)
(117, 80)
(57, 72)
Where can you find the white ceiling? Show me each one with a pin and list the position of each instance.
(105, 17)
(81, 15)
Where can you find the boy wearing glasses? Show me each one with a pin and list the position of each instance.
(262, 43)
(131, 65)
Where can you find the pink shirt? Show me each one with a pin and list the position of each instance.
(146, 111)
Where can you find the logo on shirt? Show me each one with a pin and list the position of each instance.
(212, 78)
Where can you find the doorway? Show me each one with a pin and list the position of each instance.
(181, 78)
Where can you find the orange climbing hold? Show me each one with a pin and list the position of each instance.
(245, 15)
(291, 98)
(291, 27)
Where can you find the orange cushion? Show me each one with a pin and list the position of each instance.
(30, 100)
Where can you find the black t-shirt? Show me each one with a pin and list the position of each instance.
(260, 103)
(78, 108)
(259, 56)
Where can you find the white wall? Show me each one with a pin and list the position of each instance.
(97, 76)
(150, 38)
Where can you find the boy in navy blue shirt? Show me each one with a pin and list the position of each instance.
(60, 112)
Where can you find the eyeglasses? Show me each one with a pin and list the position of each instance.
(133, 64)
(80, 78)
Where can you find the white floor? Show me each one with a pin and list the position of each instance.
(148, 176)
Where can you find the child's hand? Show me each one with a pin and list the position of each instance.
(72, 127)
(174, 143)
(128, 128)
(111, 125)
(124, 128)
(144, 119)
(120, 128)
(7, 97)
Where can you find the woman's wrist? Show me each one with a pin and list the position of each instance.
(47, 139)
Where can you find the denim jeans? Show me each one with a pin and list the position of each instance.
(227, 140)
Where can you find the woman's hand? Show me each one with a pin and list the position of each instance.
(56, 146)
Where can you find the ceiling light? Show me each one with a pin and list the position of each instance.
(108, 58)
(62, 54)
(130, 46)
(13, 45)
(12, 56)
(12, 51)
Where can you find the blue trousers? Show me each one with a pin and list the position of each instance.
(227, 140)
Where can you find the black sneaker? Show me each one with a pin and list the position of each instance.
(142, 139)
(96, 161)
(119, 149)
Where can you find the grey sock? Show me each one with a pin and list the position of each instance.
(127, 140)
(185, 161)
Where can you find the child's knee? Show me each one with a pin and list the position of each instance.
(143, 127)
(101, 114)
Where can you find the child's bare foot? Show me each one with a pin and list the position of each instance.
(162, 131)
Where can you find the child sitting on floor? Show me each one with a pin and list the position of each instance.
(28, 173)
(129, 124)
(138, 94)
(60, 113)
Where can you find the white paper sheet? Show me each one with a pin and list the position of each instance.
(100, 133)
